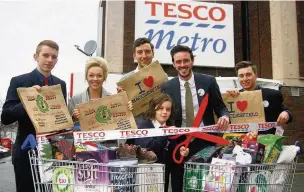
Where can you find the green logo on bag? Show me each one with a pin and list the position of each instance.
(42, 104)
(103, 114)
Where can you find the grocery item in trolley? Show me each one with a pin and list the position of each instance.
(123, 175)
(150, 178)
(220, 178)
(195, 177)
(273, 144)
(62, 145)
(205, 155)
(63, 179)
(44, 150)
(92, 176)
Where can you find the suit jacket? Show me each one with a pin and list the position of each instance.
(275, 106)
(13, 110)
(209, 85)
(155, 144)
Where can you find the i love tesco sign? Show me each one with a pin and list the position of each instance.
(207, 28)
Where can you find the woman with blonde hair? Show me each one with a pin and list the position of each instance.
(96, 72)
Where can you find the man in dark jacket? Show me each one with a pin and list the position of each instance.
(13, 110)
(274, 109)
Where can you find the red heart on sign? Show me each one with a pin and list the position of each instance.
(149, 81)
(242, 105)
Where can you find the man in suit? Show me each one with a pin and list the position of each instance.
(143, 53)
(187, 91)
(274, 109)
(46, 57)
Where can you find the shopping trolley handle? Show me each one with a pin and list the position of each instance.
(29, 143)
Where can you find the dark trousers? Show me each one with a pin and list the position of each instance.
(177, 174)
(23, 177)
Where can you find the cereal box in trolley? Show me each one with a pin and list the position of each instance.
(221, 175)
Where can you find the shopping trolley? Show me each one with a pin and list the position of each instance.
(199, 177)
(114, 176)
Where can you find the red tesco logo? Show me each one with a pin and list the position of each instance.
(187, 11)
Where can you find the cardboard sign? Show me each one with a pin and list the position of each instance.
(46, 109)
(245, 108)
(108, 113)
(144, 85)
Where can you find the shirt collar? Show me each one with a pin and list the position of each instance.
(157, 124)
(136, 70)
(191, 81)
(42, 77)
(256, 88)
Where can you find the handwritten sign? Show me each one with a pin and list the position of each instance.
(245, 108)
(46, 109)
(144, 85)
(108, 113)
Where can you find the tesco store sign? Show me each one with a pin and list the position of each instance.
(207, 28)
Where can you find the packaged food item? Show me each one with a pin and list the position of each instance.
(250, 136)
(230, 157)
(231, 136)
(273, 146)
(44, 149)
(62, 145)
(222, 175)
(63, 179)
(195, 178)
(92, 175)
(123, 174)
(150, 178)
(205, 155)
(261, 178)
(226, 150)
(256, 150)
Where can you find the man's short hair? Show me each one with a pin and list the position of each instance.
(140, 41)
(49, 43)
(245, 64)
(181, 48)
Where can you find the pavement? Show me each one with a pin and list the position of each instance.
(7, 180)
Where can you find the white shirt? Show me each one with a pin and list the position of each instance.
(157, 124)
(136, 70)
(183, 98)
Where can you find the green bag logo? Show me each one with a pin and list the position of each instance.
(42, 104)
(103, 114)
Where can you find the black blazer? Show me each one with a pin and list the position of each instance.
(209, 85)
(13, 110)
(155, 144)
(275, 106)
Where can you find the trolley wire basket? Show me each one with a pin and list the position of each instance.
(114, 176)
(199, 177)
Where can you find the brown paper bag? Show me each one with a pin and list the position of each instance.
(245, 108)
(108, 113)
(144, 85)
(46, 109)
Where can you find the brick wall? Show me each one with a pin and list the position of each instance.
(294, 130)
